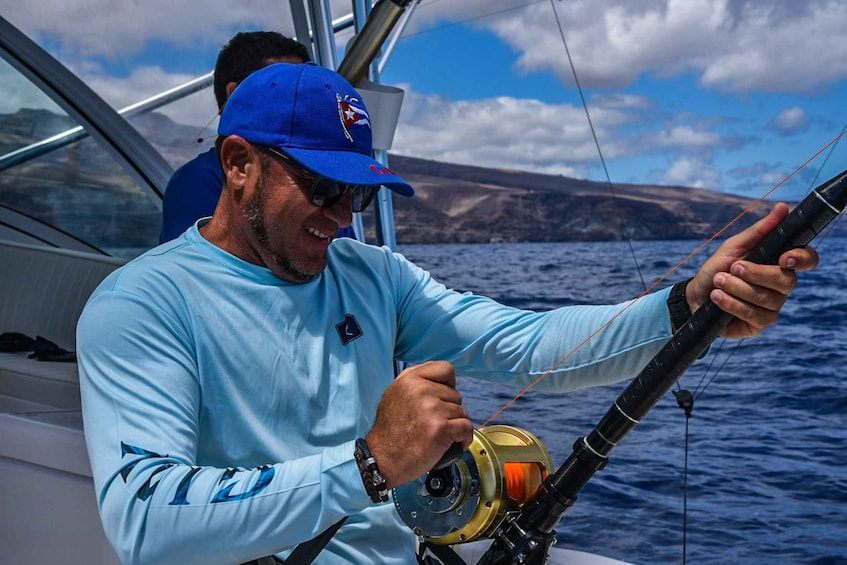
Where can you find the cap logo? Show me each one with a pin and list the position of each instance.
(351, 112)
(380, 170)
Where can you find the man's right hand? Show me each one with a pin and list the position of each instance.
(418, 419)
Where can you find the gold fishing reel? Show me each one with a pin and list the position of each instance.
(501, 470)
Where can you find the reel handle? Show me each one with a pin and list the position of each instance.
(453, 454)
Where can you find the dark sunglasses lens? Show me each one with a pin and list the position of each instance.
(363, 196)
(325, 192)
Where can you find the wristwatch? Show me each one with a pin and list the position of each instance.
(371, 477)
(678, 306)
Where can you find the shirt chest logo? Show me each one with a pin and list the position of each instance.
(349, 329)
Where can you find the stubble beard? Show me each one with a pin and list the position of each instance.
(254, 213)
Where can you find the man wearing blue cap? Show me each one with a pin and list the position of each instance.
(238, 384)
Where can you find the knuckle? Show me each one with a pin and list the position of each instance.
(750, 314)
(788, 280)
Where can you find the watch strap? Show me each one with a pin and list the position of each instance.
(371, 477)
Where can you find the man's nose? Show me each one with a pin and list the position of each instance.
(342, 211)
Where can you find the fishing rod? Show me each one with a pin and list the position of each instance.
(503, 486)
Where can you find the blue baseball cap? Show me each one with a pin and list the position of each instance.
(312, 114)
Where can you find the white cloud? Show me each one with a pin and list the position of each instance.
(687, 136)
(111, 29)
(740, 46)
(145, 82)
(773, 48)
(21, 93)
(687, 171)
(505, 132)
(733, 45)
(771, 178)
(790, 121)
(513, 133)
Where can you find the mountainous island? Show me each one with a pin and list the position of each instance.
(453, 203)
(465, 204)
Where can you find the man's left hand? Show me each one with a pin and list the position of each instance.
(753, 293)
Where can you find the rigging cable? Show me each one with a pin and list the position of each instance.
(467, 20)
(621, 220)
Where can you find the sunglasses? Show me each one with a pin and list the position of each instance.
(324, 192)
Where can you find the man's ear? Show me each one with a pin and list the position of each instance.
(236, 154)
(230, 86)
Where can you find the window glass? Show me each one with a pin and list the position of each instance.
(51, 170)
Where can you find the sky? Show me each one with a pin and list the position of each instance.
(722, 94)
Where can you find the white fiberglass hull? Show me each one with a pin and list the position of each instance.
(472, 552)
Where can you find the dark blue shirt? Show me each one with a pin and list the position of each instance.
(191, 194)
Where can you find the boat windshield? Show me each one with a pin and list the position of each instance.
(76, 186)
(90, 179)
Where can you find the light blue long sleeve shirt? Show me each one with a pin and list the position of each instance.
(221, 403)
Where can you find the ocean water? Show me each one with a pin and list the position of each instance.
(767, 443)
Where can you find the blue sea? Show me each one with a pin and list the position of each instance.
(767, 444)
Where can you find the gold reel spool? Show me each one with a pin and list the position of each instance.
(502, 469)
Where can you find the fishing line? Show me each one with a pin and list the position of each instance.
(698, 392)
(706, 370)
(831, 226)
(687, 407)
(621, 221)
(664, 277)
(614, 195)
(197, 138)
(825, 161)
